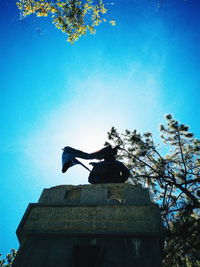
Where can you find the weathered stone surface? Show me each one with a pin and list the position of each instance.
(137, 196)
(91, 225)
(95, 220)
(57, 195)
(57, 251)
(95, 194)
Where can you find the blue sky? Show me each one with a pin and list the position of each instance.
(55, 94)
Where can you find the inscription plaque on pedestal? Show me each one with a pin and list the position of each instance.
(113, 219)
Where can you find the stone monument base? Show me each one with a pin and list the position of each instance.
(108, 225)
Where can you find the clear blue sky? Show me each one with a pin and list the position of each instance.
(54, 94)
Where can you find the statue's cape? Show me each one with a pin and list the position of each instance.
(70, 154)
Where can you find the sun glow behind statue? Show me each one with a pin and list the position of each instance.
(84, 123)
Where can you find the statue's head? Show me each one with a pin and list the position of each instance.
(111, 154)
(109, 157)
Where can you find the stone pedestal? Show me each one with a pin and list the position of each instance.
(108, 225)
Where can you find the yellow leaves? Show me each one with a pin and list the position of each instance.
(96, 22)
(87, 6)
(53, 10)
(96, 12)
(40, 8)
(61, 5)
(73, 17)
(81, 30)
(91, 29)
(103, 10)
(42, 14)
(112, 22)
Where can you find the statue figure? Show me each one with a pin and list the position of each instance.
(109, 170)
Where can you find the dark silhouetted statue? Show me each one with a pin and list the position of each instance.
(109, 170)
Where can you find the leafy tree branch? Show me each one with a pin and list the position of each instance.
(73, 17)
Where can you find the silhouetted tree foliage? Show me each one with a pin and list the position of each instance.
(73, 17)
(8, 260)
(172, 174)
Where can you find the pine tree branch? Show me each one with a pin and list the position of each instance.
(143, 162)
(182, 157)
(191, 181)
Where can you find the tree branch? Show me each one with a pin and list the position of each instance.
(182, 157)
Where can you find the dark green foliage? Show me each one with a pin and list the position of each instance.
(8, 260)
(172, 173)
